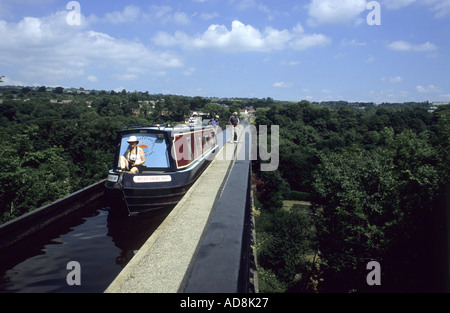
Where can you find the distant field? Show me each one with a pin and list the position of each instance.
(296, 205)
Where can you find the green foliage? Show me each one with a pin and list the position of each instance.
(30, 178)
(269, 283)
(376, 177)
(273, 190)
(284, 249)
(354, 190)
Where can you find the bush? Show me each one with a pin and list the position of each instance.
(284, 246)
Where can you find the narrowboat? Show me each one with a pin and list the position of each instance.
(175, 156)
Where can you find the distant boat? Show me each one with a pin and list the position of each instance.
(175, 156)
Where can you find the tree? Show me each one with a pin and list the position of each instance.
(419, 182)
(286, 246)
(212, 109)
(30, 178)
(273, 190)
(178, 108)
(442, 116)
(235, 107)
(378, 204)
(59, 90)
(159, 108)
(350, 191)
(197, 103)
(26, 90)
(111, 107)
(8, 110)
(92, 148)
(348, 119)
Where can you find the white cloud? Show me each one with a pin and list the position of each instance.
(49, 50)
(352, 43)
(304, 41)
(441, 8)
(127, 77)
(92, 78)
(396, 4)
(119, 89)
(428, 89)
(406, 46)
(209, 16)
(253, 5)
(50, 74)
(391, 95)
(11, 82)
(189, 71)
(180, 18)
(243, 37)
(370, 59)
(245, 4)
(393, 80)
(162, 13)
(335, 11)
(131, 13)
(166, 14)
(283, 85)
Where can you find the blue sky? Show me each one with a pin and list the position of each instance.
(316, 50)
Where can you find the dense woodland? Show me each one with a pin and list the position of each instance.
(374, 174)
(376, 179)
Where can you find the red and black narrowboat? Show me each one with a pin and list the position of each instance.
(175, 156)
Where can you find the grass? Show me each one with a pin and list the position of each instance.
(296, 205)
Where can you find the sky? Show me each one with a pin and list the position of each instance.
(316, 50)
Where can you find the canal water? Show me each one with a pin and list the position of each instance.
(100, 241)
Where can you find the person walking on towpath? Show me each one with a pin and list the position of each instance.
(215, 123)
(234, 121)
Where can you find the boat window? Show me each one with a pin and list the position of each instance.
(155, 149)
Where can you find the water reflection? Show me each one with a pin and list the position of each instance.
(101, 241)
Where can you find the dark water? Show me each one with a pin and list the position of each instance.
(100, 241)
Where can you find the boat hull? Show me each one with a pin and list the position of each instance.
(140, 193)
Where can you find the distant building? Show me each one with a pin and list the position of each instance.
(61, 101)
(435, 105)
